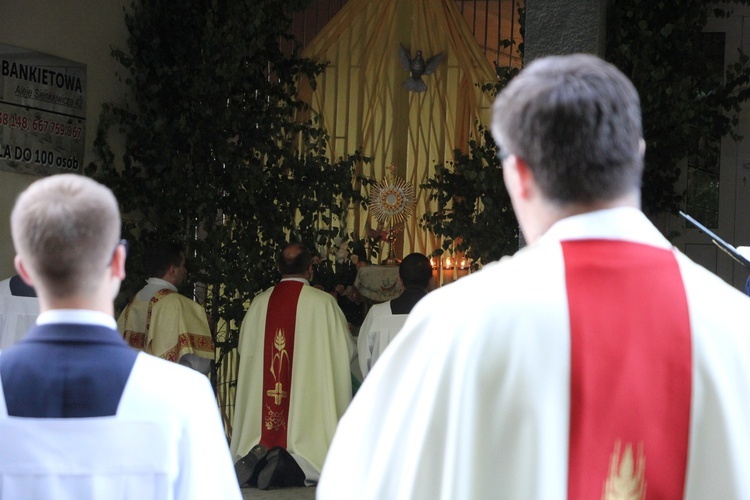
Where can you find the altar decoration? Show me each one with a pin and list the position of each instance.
(391, 202)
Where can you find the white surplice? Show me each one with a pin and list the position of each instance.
(17, 315)
(377, 331)
(472, 398)
(165, 442)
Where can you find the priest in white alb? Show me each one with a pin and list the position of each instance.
(294, 380)
(597, 362)
(163, 322)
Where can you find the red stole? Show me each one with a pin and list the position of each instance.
(278, 354)
(631, 371)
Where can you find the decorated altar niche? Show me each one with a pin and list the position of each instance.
(363, 102)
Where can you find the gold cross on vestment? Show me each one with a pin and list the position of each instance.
(277, 394)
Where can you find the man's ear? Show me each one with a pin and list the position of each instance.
(22, 272)
(118, 263)
(525, 176)
(519, 180)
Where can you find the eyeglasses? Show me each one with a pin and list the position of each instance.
(124, 243)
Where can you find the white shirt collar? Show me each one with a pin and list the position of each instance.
(623, 223)
(77, 316)
(161, 283)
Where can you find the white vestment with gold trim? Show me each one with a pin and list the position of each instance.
(164, 323)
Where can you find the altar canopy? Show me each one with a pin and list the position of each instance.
(362, 104)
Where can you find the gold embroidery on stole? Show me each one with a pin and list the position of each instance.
(275, 419)
(626, 480)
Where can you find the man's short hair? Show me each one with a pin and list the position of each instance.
(161, 255)
(65, 229)
(576, 122)
(415, 270)
(295, 258)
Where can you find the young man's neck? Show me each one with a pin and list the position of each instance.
(546, 214)
(51, 304)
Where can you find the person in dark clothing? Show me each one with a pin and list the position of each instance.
(384, 320)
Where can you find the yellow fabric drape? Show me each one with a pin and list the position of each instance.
(362, 104)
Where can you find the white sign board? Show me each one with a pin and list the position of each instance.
(42, 112)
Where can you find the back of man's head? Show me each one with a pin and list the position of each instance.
(576, 122)
(294, 259)
(415, 271)
(160, 256)
(65, 229)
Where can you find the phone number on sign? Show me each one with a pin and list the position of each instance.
(40, 125)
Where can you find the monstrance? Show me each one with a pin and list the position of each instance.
(392, 200)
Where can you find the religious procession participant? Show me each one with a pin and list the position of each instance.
(385, 320)
(294, 379)
(598, 362)
(19, 308)
(163, 322)
(82, 415)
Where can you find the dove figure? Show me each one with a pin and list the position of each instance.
(418, 67)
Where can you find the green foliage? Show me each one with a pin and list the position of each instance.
(213, 154)
(660, 46)
(474, 213)
(686, 110)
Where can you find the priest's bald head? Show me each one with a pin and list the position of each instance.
(295, 260)
(568, 132)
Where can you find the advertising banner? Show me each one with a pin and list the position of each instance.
(42, 112)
